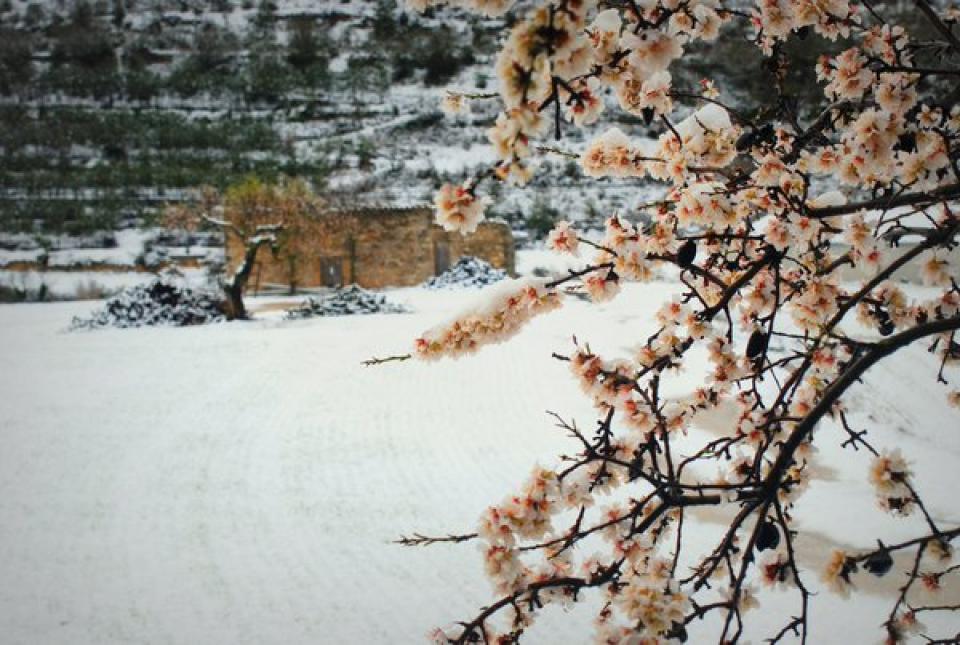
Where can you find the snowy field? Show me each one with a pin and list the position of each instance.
(242, 482)
(78, 285)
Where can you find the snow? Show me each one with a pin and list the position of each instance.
(115, 249)
(543, 261)
(19, 255)
(74, 284)
(165, 301)
(79, 257)
(347, 301)
(467, 272)
(242, 482)
(125, 246)
(455, 159)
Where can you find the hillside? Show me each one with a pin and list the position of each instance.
(109, 109)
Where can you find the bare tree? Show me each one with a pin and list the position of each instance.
(252, 215)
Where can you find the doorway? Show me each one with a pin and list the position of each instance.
(441, 256)
(331, 271)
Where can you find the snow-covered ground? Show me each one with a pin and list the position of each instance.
(242, 482)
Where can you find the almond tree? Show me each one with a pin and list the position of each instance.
(256, 215)
(763, 206)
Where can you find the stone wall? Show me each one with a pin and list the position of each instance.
(375, 248)
(393, 249)
(492, 241)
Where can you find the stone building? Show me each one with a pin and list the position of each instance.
(373, 247)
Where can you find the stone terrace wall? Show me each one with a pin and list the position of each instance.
(375, 248)
(393, 249)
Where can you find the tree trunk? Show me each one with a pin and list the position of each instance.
(234, 307)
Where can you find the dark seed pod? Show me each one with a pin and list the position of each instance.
(679, 632)
(687, 253)
(745, 140)
(757, 344)
(767, 133)
(782, 573)
(768, 537)
(648, 114)
(886, 326)
(907, 142)
(879, 563)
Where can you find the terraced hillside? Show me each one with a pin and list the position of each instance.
(108, 109)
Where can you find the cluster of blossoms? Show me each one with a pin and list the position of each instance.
(898, 140)
(582, 100)
(563, 239)
(613, 154)
(454, 103)
(753, 227)
(706, 140)
(509, 305)
(511, 136)
(774, 570)
(526, 515)
(904, 624)
(777, 19)
(653, 604)
(890, 477)
(555, 55)
(836, 575)
(458, 209)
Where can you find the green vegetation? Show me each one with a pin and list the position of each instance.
(102, 128)
(135, 153)
(59, 128)
(542, 218)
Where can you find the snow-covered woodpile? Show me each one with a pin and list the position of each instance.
(467, 272)
(347, 301)
(161, 302)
